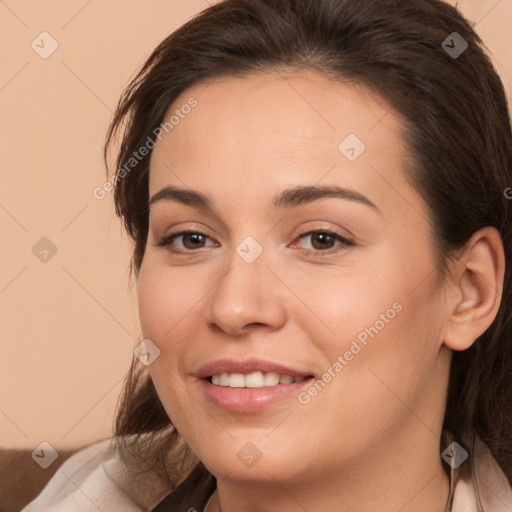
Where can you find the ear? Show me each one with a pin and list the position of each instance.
(475, 289)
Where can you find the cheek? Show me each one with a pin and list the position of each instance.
(154, 303)
(385, 347)
(349, 301)
(171, 302)
(164, 314)
(166, 300)
(378, 315)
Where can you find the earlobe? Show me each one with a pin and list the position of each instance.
(475, 292)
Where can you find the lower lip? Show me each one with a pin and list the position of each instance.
(251, 399)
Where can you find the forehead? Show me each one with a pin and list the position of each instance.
(275, 129)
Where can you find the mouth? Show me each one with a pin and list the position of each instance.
(252, 392)
(250, 385)
(255, 380)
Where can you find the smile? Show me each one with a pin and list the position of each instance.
(248, 393)
(253, 380)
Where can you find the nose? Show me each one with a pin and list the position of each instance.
(248, 296)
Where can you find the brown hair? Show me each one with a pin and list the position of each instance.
(457, 132)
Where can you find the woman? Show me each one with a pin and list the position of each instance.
(316, 191)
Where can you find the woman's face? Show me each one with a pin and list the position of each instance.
(337, 288)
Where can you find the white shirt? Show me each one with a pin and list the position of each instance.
(95, 479)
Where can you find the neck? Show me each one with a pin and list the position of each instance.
(405, 476)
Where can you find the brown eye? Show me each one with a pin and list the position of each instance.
(193, 240)
(190, 240)
(325, 242)
(321, 241)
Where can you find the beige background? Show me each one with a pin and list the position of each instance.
(68, 324)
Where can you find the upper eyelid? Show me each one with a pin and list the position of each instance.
(303, 233)
(229, 232)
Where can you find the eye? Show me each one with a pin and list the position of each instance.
(190, 240)
(324, 242)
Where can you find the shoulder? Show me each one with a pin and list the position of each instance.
(489, 483)
(94, 479)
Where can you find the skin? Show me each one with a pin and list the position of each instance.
(370, 439)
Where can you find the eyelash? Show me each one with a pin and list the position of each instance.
(168, 239)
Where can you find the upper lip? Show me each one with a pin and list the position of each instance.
(247, 366)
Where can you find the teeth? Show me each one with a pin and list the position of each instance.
(271, 379)
(253, 380)
(285, 379)
(237, 380)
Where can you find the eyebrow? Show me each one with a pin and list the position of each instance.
(290, 198)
